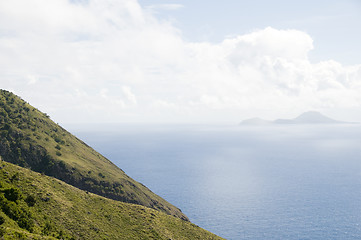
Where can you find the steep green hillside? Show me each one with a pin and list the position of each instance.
(30, 139)
(35, 206)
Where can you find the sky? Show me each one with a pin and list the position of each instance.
(181, 61)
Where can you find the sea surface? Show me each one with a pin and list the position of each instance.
(275, 182)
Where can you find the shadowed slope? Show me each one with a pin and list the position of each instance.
(35, 206)
(30, 139)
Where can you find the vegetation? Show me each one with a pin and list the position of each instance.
(30, 139)
(35, 206)
(54, 186)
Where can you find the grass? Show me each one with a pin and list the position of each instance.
(61, 211)
(29, 138)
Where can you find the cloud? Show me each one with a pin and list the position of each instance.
(288, 44)
(111, 60)
(167, 7)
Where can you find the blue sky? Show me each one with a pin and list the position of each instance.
(182, 61)
(333, 24)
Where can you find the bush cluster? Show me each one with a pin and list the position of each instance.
(9, 199)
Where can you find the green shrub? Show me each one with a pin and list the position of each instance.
(56, 138)
(12, 194)
(20, 215)
(14, 177)
(30, 200)
(11, 209)
(47, 228)
(25, 222)
(101, 175)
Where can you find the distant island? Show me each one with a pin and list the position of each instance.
(311, 117)
(255, 121)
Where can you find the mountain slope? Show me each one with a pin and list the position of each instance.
(30, 139)
(35, 206)
(311, 117)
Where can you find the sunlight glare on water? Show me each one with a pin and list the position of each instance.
(275, 182)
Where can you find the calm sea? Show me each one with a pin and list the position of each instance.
(279, 182)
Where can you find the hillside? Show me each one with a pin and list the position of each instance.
(35, 206)
(310, 117)
(29, 138)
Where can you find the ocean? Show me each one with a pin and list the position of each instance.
(255, 182)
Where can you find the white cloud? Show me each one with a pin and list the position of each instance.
(111, 60)
(169, 6)
(129, 95)
(289, 44)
